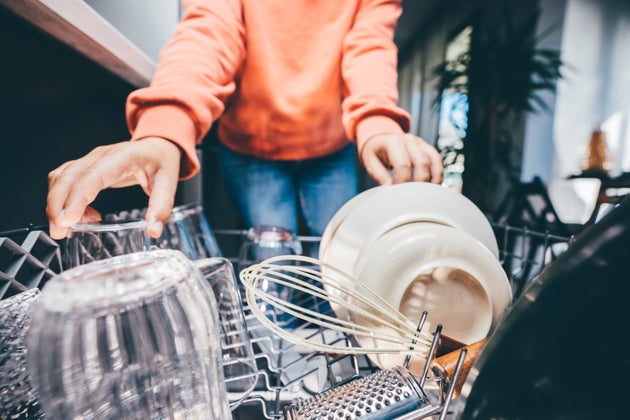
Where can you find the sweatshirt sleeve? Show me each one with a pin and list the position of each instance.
(194, 77)
(370, 74)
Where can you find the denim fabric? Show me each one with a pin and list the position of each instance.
(272, 193)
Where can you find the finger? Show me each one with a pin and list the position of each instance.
(398, 157)
(63, 183)
(376, 169)
(91, 215)
(420, 162)
(55, 202)
(105, 167)
(57, 173)
(161, 201)
(60, 184)
(436, 165)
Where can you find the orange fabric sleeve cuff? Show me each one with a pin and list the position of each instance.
(373, 125)
(174, 124)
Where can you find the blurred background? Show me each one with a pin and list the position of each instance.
(527, 101)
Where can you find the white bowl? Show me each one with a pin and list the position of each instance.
(340, 215)
(439, 269)
(382, 209)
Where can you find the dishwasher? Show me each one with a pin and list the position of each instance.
(289, 374)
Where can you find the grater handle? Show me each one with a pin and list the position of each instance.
(448, 345)
(444, 366)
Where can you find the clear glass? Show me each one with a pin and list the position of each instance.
(17, 399)
(97, 241)
(133, 336)
(264, 242)
(260, 243)
(188, 231)
(239, 363)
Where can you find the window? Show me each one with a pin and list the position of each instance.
(453, 121)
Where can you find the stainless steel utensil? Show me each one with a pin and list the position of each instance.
(386, 394)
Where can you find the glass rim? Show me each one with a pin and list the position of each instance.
(186, 206)
(101, 281)
(106, 226)
(279, 232)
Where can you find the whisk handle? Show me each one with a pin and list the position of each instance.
(444, 366)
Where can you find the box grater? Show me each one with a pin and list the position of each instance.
(386, 394)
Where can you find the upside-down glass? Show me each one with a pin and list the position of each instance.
(17, 399)
(260, 243)
(239, 363)
(88, 242)
(188, 231)
(133, 336)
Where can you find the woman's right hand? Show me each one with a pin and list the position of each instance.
(152, 162)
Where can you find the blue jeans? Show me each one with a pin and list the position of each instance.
(272, 192)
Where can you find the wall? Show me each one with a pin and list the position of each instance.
(596, 91)
(148, 23)
(57, 106)
(538, 143)
(593, 36)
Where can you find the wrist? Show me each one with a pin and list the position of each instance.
(172, 124)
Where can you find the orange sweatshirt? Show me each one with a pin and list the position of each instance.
(290, 79)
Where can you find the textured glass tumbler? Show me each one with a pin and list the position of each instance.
(17, 399)
(239, 363)
(96, 241)
(188, 231)
(131, 337)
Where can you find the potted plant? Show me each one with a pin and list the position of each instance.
(502, 74)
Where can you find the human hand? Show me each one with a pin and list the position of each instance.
(410, 157)
(152, 163)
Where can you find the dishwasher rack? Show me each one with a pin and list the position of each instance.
(28, 258)
(288, 372)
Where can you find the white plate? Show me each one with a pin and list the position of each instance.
(340, 215)
(447, 272)
(394, 205)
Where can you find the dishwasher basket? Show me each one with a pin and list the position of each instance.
(288, 373)
(28, 257)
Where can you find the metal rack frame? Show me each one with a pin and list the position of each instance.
(524, 253)
(286, 372)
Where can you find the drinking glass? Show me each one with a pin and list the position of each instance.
(188, 231)
(239, 363)
(260, 243)
(17, 399)
(88, 242)
(133, 336)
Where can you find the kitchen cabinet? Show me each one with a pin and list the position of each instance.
(103, 37)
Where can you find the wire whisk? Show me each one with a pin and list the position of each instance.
(378, 327)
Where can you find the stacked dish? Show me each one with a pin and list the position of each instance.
(422, 247)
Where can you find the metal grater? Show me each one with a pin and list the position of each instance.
(386, 394)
